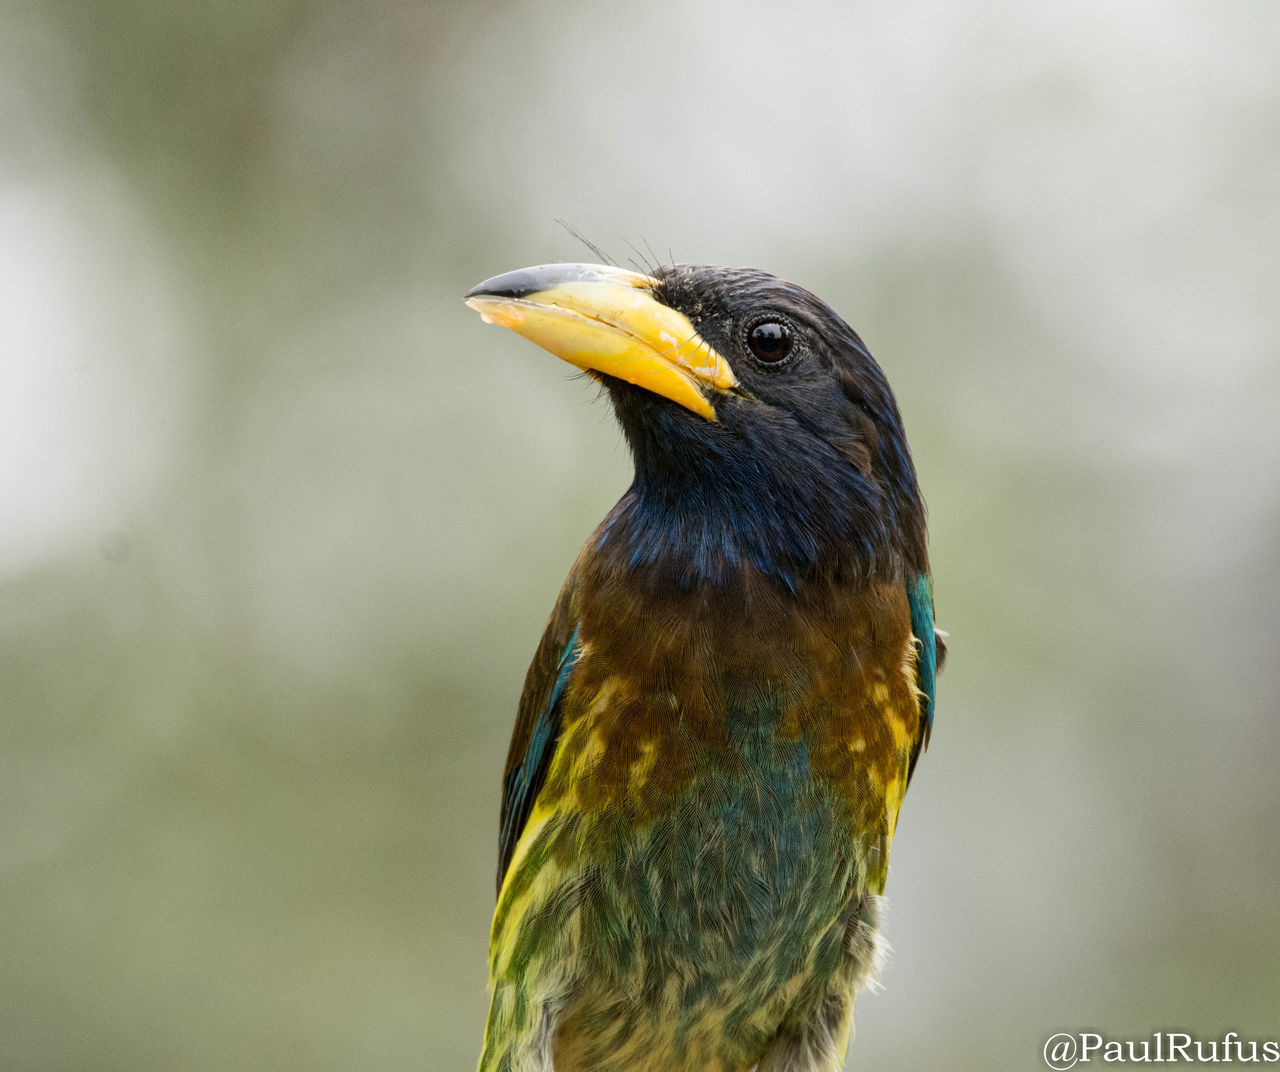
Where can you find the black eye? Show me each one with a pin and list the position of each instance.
(770, 340)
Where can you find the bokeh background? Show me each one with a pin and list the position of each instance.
(280, 520)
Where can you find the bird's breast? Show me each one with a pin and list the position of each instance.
(709, 699)
(721, 797)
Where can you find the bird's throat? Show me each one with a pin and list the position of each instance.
(710, 501)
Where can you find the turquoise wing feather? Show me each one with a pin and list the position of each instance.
(537, 727)
(930, 654)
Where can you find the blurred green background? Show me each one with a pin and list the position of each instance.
(282, 520)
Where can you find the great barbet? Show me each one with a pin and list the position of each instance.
(731, 694)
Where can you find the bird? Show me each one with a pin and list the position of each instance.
(731, 694)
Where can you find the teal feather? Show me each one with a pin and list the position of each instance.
(526, 775)
(920, 598)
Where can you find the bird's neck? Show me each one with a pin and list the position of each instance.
(711, 499)
(708, 525)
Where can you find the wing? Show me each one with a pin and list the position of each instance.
(533, 742)
(931, 653)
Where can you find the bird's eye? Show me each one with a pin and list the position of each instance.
(770, 341)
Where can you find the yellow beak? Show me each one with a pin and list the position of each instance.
(607, 320)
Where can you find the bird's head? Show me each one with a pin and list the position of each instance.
(763, 431)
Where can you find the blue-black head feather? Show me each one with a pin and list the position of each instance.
(806, 470)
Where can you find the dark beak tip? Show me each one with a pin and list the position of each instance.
(490, 288)
(524, 282)
(518, 284)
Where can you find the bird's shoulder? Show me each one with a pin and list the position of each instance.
(537, 728)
